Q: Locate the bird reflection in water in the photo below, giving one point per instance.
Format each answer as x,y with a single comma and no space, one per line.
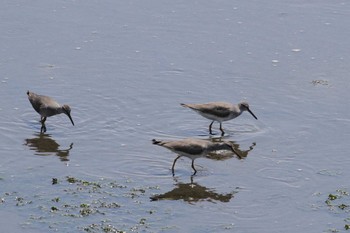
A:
44,145
193,192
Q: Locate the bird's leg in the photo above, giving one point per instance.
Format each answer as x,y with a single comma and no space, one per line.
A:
172,168
211,124
222,131
43,119
195,171
43,127
192,179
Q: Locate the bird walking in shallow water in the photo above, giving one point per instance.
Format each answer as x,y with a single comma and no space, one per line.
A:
220,111
46,107
193,149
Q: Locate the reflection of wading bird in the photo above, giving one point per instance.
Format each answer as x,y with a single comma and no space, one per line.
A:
220,111
193,192
47,107
193,148
44,145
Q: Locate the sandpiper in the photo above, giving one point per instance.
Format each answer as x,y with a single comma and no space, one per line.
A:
220,111
46,107
193,148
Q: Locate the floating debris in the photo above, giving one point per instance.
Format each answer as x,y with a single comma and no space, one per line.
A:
319,82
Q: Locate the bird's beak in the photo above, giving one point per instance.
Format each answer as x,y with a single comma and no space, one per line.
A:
252,113
70,118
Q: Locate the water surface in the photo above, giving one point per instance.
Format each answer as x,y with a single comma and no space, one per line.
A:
124,68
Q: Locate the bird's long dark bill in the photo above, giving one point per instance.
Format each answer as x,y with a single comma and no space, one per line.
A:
234,151
70,118
252,114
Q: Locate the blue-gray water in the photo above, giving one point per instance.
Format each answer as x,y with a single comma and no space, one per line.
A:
124,67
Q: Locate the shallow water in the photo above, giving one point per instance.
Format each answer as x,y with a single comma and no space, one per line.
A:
124,68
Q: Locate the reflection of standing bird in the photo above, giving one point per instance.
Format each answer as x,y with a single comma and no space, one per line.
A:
44,145
193,148
220,111
47,107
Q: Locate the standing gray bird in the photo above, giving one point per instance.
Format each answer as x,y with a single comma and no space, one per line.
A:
46,107
219,111
193,148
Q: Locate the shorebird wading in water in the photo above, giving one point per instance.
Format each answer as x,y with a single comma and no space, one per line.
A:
46,107
193,148
220,111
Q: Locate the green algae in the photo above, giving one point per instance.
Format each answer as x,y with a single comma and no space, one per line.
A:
338,203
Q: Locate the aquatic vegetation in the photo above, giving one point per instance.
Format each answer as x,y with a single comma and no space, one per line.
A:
21,201
54,181
339,202
102,228
82,182
67,201
53,208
